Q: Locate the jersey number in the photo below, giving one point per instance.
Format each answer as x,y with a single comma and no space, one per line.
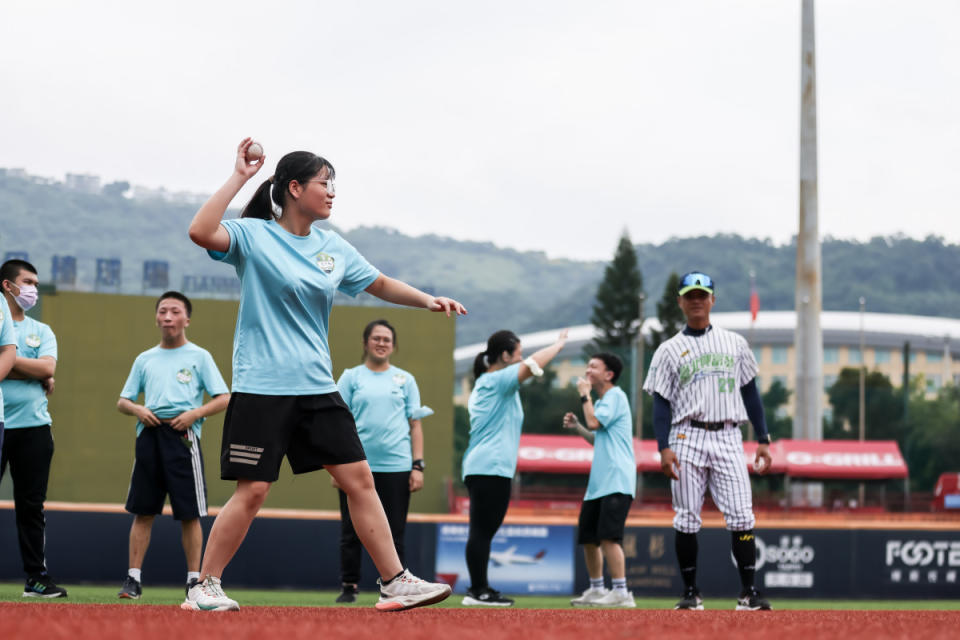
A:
726,385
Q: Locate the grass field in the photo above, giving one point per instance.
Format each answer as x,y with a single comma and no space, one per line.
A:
87,594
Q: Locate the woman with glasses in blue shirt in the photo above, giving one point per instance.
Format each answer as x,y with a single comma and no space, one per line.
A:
385,402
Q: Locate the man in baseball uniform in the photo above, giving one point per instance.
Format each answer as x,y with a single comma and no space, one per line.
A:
703,382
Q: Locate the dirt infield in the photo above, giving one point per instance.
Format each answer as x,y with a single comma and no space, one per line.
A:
52,621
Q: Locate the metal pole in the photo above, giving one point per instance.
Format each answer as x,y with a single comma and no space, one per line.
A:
753,284
639,377
906,421
863,392
638,357
809,299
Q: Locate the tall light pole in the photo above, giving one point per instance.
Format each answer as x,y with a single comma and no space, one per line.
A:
809,336
638,384
863,393
638,377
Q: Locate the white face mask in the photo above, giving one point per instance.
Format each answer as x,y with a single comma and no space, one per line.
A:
28,296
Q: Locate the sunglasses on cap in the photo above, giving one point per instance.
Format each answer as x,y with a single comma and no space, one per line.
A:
696,280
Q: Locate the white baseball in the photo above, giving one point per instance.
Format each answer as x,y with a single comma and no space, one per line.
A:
254,152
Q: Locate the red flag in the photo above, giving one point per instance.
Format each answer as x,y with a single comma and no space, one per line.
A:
754,302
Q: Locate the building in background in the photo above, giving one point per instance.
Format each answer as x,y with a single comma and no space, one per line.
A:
934,348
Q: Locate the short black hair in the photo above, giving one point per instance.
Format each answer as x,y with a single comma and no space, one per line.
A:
176,295
11,269
611,362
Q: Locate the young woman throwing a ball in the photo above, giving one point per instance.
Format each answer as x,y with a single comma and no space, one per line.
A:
285,401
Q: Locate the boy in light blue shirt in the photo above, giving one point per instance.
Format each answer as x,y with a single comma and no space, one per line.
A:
28,445
613,480
172,378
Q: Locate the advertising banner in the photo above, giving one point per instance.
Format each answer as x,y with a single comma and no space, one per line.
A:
790,563
524,559
908,564
846,459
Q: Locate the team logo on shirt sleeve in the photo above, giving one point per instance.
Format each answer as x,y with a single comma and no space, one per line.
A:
184,376
325,261
32,340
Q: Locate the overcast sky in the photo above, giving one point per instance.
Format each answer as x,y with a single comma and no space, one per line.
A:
547,125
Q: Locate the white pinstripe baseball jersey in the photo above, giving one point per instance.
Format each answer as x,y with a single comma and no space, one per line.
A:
701,375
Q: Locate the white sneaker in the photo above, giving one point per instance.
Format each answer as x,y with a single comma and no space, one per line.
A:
589,597
614,598
407,591
208,595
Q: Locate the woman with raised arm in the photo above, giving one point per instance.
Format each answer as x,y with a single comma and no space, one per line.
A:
285,401
490,461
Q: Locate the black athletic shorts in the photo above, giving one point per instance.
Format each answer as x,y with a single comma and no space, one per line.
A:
167,461
311,431
603,518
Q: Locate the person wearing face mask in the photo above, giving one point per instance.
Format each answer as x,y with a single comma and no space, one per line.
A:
28,440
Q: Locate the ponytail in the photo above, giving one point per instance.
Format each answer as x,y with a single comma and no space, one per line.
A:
259,205
480,365
299,166
497,343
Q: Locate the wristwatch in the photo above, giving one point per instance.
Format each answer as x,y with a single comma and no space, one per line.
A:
418,465
584,399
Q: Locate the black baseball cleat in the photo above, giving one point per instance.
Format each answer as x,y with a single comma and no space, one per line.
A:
485,597
190,585
130,589
348,594
42,586
690,601
751,600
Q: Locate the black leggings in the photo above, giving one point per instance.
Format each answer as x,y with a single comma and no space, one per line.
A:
393,488
489,498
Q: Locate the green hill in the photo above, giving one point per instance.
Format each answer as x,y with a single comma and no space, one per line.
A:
502,288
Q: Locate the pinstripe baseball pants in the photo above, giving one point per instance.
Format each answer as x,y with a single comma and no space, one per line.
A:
714,460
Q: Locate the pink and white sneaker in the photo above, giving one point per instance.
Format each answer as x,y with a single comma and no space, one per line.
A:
407,591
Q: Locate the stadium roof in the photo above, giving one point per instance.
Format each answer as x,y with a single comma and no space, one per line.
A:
881,330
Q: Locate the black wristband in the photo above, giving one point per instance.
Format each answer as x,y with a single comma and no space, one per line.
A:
418,465
584,399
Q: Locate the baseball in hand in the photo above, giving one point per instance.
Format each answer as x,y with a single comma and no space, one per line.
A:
254,152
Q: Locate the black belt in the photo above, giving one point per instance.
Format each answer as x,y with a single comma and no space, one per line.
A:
709,426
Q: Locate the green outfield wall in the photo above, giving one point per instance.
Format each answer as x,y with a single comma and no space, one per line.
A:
99,335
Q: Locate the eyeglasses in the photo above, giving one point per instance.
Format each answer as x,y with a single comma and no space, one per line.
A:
328,184
696,279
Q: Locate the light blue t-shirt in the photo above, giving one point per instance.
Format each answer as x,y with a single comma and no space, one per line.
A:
496,417
383,403
173,381
8,335
25,401
614,468
287,284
